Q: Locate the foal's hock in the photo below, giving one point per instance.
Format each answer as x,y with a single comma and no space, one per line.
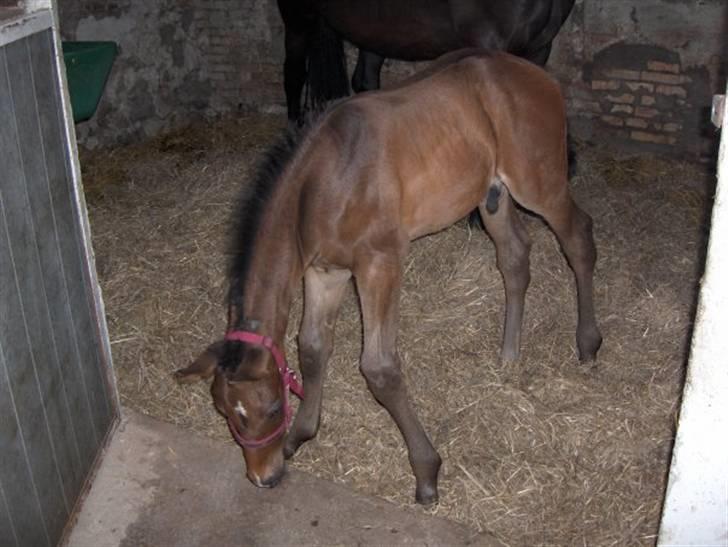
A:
474,130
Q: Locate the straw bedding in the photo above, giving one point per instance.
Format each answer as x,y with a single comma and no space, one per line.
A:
543,452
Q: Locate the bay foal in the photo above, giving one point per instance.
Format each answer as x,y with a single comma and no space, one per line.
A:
378,170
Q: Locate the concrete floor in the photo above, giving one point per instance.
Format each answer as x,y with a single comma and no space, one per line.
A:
159,486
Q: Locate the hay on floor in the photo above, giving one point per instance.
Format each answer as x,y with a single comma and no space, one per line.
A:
542,452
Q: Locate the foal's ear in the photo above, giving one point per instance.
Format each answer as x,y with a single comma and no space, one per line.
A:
203,367
249,368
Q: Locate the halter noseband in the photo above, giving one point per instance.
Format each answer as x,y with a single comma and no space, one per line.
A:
288,379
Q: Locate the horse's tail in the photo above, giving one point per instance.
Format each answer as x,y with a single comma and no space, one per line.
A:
326,75
560,11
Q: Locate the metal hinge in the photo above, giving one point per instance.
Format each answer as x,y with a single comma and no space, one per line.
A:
716,113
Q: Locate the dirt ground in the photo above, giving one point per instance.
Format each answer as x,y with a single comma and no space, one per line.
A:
547,451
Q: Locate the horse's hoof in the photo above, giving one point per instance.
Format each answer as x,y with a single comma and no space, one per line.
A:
288,451
290,447
426,496
588,352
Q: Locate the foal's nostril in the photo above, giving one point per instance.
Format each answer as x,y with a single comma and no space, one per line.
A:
268,482
255,479
272,481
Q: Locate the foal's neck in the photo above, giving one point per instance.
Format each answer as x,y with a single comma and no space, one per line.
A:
276,266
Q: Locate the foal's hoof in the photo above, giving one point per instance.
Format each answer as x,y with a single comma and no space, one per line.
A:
288,451
426,495
588,350
291,446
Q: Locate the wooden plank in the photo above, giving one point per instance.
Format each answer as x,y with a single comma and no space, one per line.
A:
24,25
50,302
21,521
8,536
15,472
696,500
80,296
61,253
716,112
29,357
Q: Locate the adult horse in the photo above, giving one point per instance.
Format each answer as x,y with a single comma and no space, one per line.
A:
378,170
410,30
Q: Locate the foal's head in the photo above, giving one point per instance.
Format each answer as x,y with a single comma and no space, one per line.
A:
251,391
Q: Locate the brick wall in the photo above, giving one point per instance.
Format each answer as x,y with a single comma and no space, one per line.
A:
242,43
644,94
638,75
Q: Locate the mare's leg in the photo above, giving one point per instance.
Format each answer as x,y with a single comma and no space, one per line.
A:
540,56
573,228
512,246
378,282
366,73
322,298
294,71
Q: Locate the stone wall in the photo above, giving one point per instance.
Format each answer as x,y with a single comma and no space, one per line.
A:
159,79
637,74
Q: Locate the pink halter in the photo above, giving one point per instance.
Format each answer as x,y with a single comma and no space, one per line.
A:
288,379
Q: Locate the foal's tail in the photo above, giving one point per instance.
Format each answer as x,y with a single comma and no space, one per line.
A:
326,76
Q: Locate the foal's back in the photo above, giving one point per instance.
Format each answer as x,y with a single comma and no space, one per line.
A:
416,158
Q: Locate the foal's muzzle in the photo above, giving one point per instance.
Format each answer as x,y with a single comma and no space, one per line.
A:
268,482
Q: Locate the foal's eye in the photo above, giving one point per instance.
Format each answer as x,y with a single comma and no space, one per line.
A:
275,410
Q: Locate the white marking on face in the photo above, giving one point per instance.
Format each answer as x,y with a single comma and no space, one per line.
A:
255,479
241,410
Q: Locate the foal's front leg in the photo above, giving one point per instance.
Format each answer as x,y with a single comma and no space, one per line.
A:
378,282
323,291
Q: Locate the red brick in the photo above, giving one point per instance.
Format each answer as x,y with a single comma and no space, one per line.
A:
672,90
644,136
624,98
672,79
621,108
659,66
589,106
672,127
622,74
636,122
613,120
604,85
640,86
644,112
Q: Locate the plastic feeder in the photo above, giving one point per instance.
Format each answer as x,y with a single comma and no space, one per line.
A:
87,67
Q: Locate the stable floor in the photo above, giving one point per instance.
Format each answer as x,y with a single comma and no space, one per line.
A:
159,485
539,452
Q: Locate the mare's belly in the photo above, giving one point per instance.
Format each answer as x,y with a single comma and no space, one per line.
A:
412,31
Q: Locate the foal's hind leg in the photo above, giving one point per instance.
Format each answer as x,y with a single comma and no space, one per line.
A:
322,298
573,228
512,246
378,282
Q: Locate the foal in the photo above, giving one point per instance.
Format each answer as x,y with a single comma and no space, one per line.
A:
377,171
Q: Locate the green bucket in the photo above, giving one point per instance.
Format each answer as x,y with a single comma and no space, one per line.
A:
87,67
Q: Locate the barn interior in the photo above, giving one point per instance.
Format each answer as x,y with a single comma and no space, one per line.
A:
539,452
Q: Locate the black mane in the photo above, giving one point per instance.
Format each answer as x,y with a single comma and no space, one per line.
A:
248,213
246,221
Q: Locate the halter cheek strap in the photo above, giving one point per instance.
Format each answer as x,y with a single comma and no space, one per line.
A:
288,380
